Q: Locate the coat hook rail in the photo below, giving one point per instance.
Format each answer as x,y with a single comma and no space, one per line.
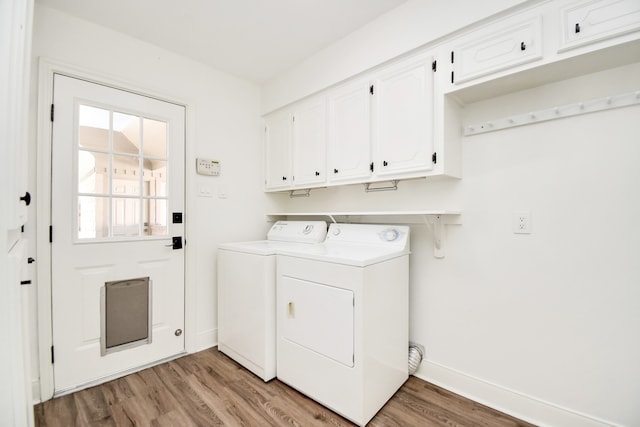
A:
577,108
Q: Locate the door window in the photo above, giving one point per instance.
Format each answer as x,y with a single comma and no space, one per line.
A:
121,167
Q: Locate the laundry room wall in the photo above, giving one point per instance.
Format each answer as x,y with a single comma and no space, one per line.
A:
543,326
223,123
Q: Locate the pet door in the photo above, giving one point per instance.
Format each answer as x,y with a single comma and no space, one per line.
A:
125,314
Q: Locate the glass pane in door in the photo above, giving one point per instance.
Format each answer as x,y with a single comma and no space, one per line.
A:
93,176
94,125
93,217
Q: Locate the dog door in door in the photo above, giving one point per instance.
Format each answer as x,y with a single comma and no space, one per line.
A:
126,314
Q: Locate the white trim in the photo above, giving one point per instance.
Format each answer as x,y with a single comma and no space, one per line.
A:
207,339
46,69
519,405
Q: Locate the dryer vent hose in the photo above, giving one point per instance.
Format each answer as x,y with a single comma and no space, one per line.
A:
416,354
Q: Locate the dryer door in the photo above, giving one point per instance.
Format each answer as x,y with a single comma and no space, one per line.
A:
317,317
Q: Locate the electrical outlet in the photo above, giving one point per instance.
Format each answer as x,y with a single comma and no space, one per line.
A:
522,222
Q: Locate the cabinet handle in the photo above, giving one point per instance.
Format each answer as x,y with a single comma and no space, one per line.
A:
523,46
335,171
284,178
577,27
317,173
26,198
384,163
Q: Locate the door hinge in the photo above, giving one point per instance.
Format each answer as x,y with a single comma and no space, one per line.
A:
371,89
51,112
434,158
434,66
371,166
53,359
51,234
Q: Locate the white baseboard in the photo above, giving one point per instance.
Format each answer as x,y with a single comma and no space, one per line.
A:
516,404
206,339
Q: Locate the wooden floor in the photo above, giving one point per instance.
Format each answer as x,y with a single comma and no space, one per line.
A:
209,389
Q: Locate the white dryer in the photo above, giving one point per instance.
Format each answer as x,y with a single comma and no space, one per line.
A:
343,318
247,293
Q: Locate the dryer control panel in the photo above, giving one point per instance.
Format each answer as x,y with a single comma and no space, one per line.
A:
396,236
298,231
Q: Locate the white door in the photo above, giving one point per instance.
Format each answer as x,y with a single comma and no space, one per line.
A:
117,202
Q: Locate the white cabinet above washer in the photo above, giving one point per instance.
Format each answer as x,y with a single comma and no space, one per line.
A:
295,146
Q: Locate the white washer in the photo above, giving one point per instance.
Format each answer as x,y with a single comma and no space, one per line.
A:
343,318
247,293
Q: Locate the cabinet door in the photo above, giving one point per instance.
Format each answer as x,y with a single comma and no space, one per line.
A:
403,119
587,22
488,51
309,143
277,151
349,147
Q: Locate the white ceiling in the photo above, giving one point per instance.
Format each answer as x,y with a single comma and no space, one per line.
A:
253,39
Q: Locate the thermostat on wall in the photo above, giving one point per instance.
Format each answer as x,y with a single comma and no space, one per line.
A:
207,167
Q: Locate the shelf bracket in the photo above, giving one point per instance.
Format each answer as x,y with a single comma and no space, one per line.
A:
435,223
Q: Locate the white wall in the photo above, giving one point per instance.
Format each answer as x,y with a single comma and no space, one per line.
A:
544,326
223,123
404,28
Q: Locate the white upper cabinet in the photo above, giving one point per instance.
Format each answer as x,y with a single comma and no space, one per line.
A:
278,151
591,21
295,146
403,118
349,144
374,128
495,48
309,143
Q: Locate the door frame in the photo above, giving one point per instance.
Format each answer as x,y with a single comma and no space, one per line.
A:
46,70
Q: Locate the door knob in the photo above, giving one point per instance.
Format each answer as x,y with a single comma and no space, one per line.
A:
176,243
26,198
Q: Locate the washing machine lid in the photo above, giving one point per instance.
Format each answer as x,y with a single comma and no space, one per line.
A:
358,245
282,235
257,247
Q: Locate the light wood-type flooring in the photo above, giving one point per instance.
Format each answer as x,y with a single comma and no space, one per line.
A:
209,389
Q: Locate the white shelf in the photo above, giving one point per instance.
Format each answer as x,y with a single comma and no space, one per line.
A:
434,220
